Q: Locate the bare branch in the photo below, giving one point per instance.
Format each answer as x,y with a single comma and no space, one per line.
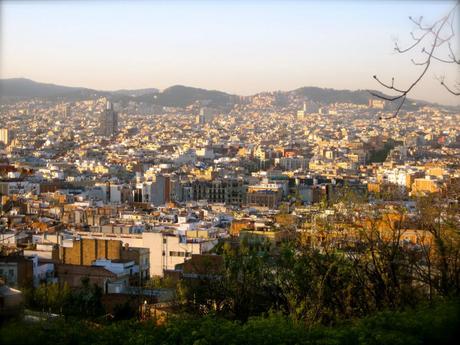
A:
391,87
419,63
436,29
402,51
427,28
396,113
440,59
386,98
449,89
419,23
452,55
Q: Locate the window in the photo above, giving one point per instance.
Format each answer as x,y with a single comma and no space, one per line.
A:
164,240
179,254
11,272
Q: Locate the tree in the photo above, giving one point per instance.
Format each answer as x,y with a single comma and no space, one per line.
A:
50,297
87,301
244,288
438,216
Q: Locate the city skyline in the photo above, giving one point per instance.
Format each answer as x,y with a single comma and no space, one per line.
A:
225,46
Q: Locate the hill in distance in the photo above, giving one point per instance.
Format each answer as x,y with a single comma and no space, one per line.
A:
181,96
174,96
21,88
136,92
178,96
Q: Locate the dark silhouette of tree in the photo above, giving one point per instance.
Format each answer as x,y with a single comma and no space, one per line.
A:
436,42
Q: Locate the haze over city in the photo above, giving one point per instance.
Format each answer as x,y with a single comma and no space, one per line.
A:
234,46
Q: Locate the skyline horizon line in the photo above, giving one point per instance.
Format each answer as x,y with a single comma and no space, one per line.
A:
231,93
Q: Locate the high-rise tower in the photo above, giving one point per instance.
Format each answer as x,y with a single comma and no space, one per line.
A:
108,121
6,136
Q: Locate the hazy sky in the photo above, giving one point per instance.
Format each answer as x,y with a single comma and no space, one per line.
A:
241,47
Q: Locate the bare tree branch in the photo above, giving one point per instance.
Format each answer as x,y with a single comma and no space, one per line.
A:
455,93
419,63
452,55
439,38
386,98
397,110
388,86
399,50
440,59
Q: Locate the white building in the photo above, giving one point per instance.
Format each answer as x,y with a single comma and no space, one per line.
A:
5,136
167,249
155,192
19,187
119,267
292,163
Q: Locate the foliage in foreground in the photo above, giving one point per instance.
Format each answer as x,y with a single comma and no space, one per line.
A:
438,324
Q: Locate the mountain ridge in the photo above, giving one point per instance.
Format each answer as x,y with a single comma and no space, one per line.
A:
176,95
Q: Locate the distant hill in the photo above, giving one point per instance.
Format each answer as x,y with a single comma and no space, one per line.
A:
182,96
26,88
174,96
136,92
178,96
326,96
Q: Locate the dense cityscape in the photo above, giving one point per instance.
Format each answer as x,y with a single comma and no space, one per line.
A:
191,216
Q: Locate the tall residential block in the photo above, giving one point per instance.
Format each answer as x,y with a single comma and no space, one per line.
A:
6,136
108,121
